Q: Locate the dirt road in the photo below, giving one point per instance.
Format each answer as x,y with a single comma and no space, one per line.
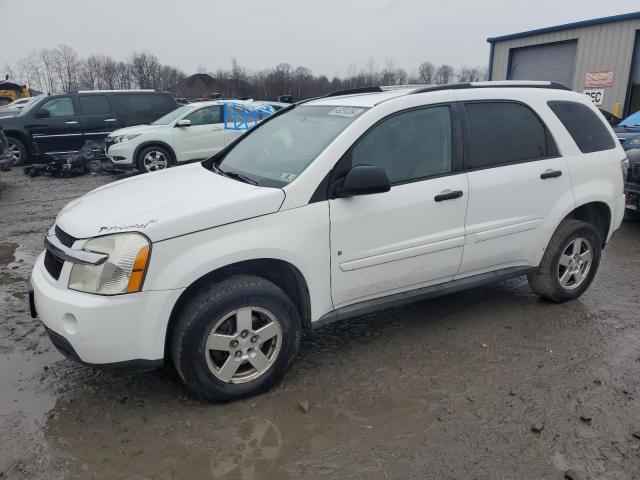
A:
445,389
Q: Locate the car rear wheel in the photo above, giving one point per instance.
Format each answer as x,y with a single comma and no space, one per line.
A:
17,150
235,338
570,262
154,158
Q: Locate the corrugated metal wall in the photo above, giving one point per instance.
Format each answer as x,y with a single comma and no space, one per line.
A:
600,48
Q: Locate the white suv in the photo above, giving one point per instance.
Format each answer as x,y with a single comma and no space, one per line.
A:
331,208
189,133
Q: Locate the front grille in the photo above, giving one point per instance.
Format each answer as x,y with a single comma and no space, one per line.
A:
53,264
66,239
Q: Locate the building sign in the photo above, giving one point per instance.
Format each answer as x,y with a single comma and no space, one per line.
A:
596,94
598,79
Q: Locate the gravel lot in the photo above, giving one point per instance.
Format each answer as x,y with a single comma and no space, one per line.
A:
445,389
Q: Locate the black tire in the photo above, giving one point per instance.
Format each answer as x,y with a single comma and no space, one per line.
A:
205,309
545,281
149,150
631,215
24,153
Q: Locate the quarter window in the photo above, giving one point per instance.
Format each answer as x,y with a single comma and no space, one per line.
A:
95,104
408,146
59,107
584,126
205,116
501,133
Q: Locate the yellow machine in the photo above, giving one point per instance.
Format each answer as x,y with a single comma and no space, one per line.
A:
10,91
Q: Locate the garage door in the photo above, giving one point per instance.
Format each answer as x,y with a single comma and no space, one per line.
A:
554,62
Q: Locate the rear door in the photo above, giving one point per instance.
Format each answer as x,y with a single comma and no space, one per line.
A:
204,137
99,118
517,180
412,235
60,129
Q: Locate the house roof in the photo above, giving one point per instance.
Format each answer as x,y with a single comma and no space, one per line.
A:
567,26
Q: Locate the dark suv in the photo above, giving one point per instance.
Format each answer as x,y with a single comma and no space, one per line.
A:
62,123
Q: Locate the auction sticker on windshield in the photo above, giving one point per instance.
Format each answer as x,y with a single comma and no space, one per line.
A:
287,177
346,111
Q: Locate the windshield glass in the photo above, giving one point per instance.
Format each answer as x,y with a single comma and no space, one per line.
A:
173,115
631,120
29,105
277,152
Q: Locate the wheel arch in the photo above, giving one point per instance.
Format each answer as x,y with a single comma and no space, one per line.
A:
280,272
596,213
154,143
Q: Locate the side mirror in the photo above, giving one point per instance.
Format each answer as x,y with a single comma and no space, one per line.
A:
42,113
183,123
362,180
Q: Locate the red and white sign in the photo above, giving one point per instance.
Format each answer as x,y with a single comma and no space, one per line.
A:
598,79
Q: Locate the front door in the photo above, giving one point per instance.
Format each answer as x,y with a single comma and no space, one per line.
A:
201,139
412,235
59,129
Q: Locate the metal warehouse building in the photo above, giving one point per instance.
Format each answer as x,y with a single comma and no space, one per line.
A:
599,57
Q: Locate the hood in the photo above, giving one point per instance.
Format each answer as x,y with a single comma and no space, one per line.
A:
8,112
139,129
166,204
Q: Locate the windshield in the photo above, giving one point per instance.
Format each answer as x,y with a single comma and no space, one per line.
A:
277,152
173,115
29,105
631,121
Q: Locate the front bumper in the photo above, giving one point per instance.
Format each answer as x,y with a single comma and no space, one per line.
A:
108,332
120,154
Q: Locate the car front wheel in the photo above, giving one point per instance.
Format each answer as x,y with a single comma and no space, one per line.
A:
235,338
154,158
18,151
570,262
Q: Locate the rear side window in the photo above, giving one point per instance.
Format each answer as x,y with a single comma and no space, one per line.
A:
584,126
95,104
501,133
145,102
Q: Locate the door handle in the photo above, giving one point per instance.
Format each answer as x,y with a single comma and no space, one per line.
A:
550,174
448,195
110,120
70,122
216,128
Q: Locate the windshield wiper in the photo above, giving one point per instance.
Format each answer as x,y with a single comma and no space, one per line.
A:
234,175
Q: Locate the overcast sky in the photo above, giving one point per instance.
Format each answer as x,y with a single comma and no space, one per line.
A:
328,36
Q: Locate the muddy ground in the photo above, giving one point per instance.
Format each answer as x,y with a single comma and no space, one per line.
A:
445,389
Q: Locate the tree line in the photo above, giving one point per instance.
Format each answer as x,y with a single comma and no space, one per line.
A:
60,69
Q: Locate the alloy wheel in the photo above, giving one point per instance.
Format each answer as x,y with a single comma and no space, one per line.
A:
15,152
243,345
155,160
575,263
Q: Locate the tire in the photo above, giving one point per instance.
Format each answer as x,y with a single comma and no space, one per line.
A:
554,279
145,160
19,150
217,310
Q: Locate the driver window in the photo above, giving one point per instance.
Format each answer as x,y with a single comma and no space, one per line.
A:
409,146
205,116
59,107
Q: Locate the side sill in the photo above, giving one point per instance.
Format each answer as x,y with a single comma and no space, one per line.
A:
420,294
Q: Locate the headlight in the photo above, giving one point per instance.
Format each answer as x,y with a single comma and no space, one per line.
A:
635,141
124,138
122,271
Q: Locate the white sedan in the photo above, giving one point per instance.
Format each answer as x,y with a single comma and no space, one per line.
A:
192,132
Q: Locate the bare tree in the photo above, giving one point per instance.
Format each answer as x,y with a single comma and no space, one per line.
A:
444,74
144,69
426,73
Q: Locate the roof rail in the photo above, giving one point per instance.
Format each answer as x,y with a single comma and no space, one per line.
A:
354,91
111,91
494,84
